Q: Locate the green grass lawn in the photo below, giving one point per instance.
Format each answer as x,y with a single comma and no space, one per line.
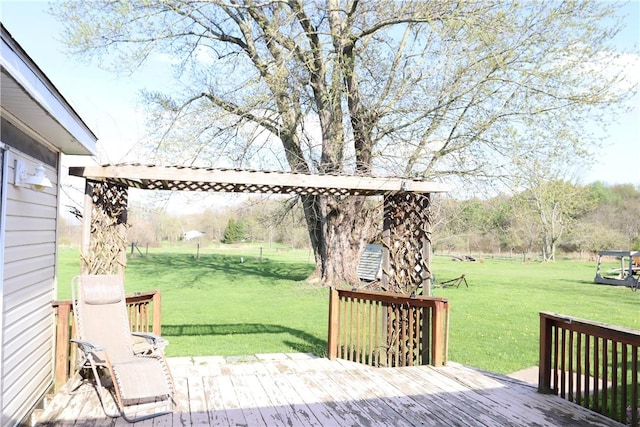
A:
494,322
228,302
239,300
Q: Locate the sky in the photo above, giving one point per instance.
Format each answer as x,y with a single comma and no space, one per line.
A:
110,106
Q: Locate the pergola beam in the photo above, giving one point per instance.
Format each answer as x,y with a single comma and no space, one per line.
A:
182,178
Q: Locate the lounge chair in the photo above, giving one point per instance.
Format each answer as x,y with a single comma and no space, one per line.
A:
142,382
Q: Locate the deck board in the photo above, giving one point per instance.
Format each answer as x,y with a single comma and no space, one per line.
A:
472,402
316,410
213,395
303,390
430,399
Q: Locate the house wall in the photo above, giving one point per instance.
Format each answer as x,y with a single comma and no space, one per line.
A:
37,125
28,281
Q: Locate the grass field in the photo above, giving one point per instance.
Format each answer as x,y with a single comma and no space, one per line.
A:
495,322
241,300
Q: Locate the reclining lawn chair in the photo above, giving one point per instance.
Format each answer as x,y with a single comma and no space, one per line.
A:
141,379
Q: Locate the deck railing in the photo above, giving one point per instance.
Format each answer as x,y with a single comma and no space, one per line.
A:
384,329
143,308
592,364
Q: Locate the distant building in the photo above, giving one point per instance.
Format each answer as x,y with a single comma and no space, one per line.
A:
193,234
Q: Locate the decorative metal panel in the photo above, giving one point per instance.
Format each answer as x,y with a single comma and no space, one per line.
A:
407,243
108,242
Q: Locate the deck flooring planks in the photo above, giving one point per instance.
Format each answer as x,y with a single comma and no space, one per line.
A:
309,409
351,406
272,357
428,399
304,390
326,411
163,421
462,398
348,402
257,399
93,414
403,405
207,366
313,388
181,414
268,368
266,400
546,409
198,406
287,402
246,402
230,401
361,391
213,395
79,403
494,396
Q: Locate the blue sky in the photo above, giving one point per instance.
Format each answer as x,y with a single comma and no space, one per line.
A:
110,106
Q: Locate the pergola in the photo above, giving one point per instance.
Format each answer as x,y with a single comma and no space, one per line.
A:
406,218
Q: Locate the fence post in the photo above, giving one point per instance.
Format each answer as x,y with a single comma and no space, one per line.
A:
334,326
544,368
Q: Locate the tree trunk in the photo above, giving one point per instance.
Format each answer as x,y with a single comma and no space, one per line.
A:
316,228
339,230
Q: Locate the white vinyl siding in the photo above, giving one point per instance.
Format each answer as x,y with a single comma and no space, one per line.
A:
27,292
36,122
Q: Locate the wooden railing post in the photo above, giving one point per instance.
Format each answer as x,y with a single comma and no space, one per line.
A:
544,362
334,326
635,406
438,334
425,338
157,302
62,347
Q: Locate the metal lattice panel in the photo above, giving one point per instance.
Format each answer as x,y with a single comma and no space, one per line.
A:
404,344
407,241
243,188
108,228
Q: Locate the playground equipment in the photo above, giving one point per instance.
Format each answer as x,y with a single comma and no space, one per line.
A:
626,274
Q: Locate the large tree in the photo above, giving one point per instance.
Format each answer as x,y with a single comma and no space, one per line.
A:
426,89
555,206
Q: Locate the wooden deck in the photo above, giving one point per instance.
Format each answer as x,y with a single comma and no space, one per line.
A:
303,390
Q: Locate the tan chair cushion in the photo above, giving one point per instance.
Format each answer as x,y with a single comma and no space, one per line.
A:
142,379
98,293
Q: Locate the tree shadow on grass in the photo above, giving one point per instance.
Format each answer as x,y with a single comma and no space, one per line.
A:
232,266
310,344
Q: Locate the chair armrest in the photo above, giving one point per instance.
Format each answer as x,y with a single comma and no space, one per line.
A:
151,338
145,343
88,346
